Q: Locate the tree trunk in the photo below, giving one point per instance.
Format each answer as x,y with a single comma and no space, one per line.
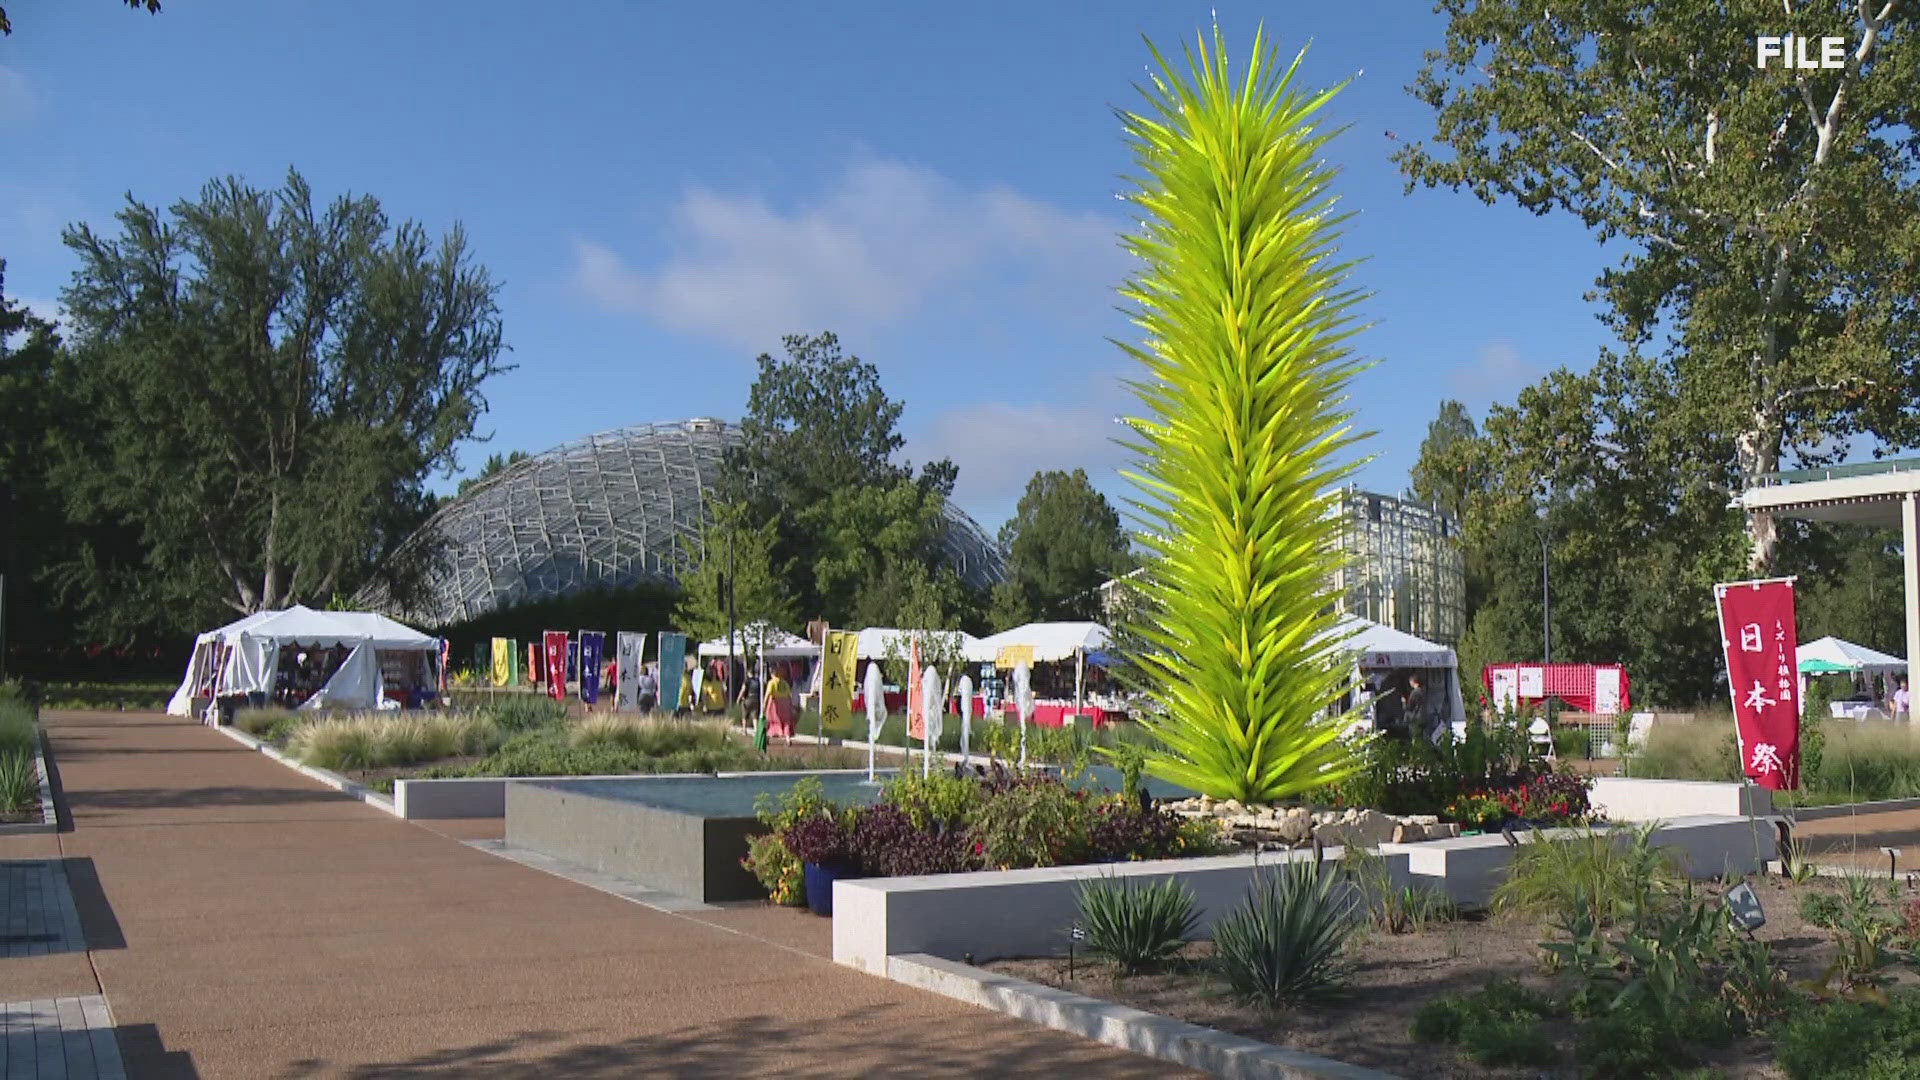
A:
1757,451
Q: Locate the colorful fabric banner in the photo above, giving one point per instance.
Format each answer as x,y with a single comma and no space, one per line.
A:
839,658
534,678
556,646
916,709
591,642
629,648
673,668
1758,635
573,660
502,661
513,662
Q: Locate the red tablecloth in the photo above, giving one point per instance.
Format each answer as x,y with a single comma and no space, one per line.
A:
1055,713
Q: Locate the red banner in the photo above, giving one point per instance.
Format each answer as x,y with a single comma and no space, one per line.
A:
916,709
556,646
1758,636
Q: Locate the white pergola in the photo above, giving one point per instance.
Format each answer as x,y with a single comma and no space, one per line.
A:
1884,494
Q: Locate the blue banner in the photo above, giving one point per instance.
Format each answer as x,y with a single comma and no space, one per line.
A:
591,642
573,660
673,666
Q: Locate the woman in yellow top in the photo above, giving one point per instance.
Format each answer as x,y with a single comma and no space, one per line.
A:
713,695
779,707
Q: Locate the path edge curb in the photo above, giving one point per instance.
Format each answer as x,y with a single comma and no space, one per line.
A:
332,779
1233,1056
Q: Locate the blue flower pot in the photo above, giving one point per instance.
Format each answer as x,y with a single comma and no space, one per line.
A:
819,878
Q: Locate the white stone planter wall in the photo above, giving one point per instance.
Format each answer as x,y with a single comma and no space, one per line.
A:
1022,912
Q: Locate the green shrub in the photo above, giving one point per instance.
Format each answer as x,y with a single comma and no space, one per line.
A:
768,860
381,740
523,712
937,797
1853,1040
1402,910
19,782
260,722
777,870
1640,1040
1598,874
19,734
1821,907
1033,821
1700,750
649,736
1449,1019
1135,925
1285,943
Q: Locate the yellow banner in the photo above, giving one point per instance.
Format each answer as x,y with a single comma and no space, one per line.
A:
1012,656
836,680
502,660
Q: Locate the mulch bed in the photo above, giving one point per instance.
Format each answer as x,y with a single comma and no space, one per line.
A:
1394,975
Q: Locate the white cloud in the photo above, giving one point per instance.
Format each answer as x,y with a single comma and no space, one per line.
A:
999,445
17,100
871,250
1497,373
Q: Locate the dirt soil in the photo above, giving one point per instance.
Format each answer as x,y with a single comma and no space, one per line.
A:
1394,975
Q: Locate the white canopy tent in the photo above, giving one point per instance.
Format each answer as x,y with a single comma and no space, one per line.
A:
1382,648
750,640
1050,641
877,642
1850,657
242,658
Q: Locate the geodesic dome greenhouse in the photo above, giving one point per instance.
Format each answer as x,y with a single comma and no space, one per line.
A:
606,511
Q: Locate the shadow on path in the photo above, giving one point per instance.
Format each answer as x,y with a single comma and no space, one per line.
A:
765,1046
198,798
97,922
146,1056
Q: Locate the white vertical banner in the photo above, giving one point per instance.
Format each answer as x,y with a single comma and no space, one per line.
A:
1606,691
1506,690
629,651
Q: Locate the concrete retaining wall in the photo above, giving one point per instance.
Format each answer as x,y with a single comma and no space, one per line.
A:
1469,868
1623,798
1021,912
1028,912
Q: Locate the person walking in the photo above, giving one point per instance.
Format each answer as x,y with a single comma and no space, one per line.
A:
647,689
1900,700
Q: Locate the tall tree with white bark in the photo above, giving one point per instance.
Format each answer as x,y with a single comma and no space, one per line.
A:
1769,252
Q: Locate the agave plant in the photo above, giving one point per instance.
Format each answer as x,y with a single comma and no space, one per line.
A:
1136,925
1245,315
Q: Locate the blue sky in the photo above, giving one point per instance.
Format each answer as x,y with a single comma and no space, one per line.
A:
665,189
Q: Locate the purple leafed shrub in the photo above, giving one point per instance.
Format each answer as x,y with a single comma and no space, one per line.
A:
886,844
821,839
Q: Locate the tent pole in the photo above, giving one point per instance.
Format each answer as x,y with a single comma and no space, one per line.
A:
1910,561
1079,681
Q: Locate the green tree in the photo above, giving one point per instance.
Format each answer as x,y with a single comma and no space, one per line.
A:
760,593
152,6
267,384
1443,476
1768,253
492,467
1580,471
816,459
1063,542
1241,299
